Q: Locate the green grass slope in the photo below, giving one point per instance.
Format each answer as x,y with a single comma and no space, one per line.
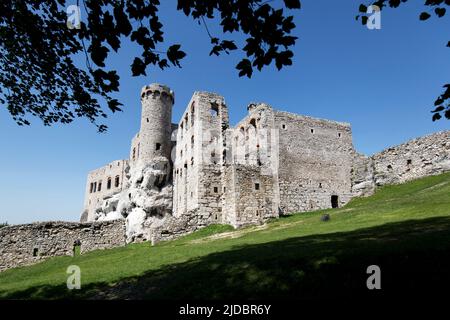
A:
404,229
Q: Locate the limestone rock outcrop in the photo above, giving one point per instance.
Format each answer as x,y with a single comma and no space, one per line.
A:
146,201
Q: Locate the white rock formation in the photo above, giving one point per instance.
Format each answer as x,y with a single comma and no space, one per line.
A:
145,203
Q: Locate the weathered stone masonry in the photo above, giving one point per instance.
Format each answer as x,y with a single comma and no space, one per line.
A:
271,163
417,158
182,177
27,244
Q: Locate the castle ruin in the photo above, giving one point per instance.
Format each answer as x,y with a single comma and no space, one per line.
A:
201,171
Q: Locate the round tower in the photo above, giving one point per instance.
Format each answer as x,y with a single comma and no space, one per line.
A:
156,122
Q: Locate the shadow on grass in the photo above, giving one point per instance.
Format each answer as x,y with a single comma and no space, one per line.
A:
414,257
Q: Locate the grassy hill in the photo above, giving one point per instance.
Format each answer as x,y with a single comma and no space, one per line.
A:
404,229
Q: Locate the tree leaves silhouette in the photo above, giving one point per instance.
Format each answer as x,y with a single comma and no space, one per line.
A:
38,75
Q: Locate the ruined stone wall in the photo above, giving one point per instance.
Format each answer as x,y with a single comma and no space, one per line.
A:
103,183
414,159
254,196
255,140
315,162
183,177
199,158
417,158
362,175
229,196
213,123
252,179
175,227
185,170
27,244
135,149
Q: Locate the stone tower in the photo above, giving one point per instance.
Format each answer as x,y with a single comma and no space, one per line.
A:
156,122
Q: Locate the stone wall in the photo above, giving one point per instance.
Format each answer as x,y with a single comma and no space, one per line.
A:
199,164
175,227
417,158
255,196
22,245
103,183
315,161
183,177
362,175
135,150
414,159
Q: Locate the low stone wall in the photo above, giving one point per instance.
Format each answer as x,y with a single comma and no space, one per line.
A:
421,157
362,175
175,227
417,158
22,245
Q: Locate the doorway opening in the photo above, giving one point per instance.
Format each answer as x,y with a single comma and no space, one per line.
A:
334,201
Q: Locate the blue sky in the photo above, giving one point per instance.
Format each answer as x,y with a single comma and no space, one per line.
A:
383,82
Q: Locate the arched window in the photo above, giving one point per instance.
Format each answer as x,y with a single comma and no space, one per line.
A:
99,186
117,181
108,184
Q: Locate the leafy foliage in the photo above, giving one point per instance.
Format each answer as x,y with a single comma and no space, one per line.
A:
439,9
38,76
3,224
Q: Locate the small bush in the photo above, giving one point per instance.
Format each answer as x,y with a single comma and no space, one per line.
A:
4,224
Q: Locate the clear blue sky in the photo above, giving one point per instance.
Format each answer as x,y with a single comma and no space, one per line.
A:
383,82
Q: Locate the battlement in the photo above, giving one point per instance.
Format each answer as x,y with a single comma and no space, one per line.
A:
155,90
